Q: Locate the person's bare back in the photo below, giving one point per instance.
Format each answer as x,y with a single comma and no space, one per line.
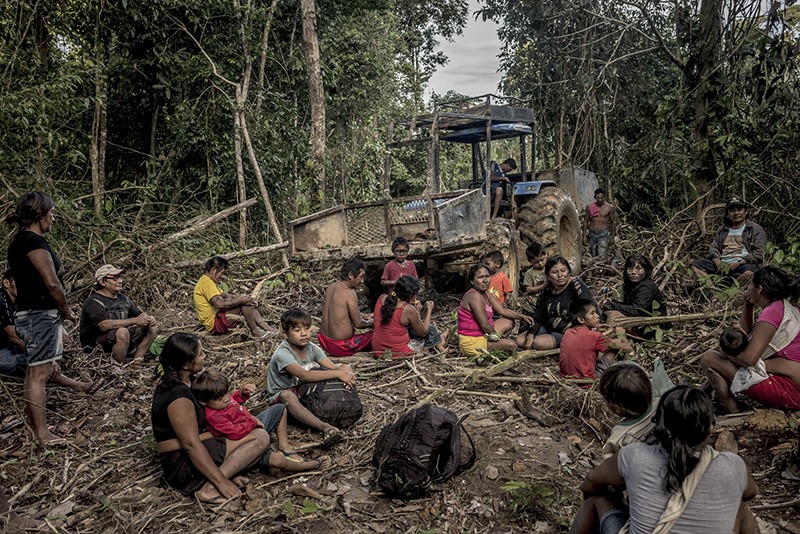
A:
337,311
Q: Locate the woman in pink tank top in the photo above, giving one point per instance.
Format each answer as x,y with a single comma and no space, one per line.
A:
399,328
477,330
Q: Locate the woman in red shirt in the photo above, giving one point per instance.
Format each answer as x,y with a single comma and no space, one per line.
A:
398,319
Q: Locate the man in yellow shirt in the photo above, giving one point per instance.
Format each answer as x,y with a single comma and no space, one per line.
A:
212,304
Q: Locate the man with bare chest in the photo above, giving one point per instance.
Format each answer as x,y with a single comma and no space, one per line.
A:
341,316
599,225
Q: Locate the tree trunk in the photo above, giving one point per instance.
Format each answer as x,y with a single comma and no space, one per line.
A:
262,64
316,94
97,147
241,190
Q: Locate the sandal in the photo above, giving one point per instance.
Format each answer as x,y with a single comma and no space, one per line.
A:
332,436
292,456
323,462
95,386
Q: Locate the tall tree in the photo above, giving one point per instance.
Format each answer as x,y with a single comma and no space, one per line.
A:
316,93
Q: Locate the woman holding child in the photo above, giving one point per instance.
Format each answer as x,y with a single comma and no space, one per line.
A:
477,328
193,460
640,295
400,329
552,309
675,482
767,367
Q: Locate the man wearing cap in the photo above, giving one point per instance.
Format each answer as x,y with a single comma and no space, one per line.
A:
111,321
738,246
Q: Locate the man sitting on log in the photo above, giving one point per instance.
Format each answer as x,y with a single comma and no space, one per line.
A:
110,320
341,316
212,304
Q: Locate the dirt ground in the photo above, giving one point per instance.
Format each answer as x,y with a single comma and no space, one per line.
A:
536,437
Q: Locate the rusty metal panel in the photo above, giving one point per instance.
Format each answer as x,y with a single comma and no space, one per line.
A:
328,231
461,220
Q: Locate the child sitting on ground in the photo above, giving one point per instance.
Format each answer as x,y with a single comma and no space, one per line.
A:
628,394
499,284
399,266
533,284
296,360
225,416
583,349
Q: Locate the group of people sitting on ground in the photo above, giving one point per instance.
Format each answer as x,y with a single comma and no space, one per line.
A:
206,436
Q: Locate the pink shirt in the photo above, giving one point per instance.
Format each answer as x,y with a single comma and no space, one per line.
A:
467,325
579,350
234,422
393,271
773,315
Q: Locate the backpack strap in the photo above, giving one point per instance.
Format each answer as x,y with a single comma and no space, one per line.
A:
473,455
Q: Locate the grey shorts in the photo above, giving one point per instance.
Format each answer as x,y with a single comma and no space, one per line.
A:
43,334
271,417
613,521
12,361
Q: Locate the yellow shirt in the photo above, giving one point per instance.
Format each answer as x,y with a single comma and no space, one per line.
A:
204,290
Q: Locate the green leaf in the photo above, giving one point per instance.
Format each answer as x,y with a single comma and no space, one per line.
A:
309,507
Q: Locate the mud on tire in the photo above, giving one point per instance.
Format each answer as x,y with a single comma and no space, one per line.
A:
552,220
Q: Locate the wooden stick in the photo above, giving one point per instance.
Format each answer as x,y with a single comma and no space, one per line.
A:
626,322
231,255
785,504
513,396
511,362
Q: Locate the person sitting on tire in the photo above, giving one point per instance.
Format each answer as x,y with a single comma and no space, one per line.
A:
738,246
477,329
552,309
640,295
497,180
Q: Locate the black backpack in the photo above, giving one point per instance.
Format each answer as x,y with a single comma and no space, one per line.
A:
331,401
421,448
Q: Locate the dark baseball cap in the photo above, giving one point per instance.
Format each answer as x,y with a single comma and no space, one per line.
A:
735,202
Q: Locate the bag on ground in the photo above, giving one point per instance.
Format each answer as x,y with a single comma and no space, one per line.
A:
421,448
331,401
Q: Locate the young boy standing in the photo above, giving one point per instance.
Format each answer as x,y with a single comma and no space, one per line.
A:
295,361
582,347
499,284
399,266
225,416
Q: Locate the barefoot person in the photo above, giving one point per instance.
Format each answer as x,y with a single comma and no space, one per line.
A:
768,368
193,460
12,348
640,294
341,316
212,304
41,303
477,328
599,224
111,321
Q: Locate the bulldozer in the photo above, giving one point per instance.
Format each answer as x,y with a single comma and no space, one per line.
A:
451,230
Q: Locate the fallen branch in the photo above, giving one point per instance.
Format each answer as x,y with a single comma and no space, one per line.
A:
513,396
627,322
231,255
776,505
510,363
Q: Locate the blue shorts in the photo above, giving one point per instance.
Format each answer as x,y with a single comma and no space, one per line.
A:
613,521
12,361
43,334
271,417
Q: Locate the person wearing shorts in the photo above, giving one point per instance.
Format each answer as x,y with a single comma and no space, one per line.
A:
111,321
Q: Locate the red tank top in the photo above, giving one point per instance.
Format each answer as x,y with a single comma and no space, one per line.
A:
391,336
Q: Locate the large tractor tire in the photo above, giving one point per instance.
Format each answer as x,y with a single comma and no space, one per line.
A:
551,219
502,235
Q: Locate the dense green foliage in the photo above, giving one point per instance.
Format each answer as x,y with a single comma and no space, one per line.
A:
664,100
160,71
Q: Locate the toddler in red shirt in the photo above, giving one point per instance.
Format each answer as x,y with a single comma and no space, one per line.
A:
499,284
225,416
584,351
